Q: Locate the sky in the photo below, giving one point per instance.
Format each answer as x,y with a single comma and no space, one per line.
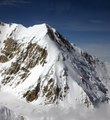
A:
85,23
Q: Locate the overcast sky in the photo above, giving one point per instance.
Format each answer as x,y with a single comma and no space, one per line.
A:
83,22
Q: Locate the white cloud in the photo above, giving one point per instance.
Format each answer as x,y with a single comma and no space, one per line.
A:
96,21
13,2
80,113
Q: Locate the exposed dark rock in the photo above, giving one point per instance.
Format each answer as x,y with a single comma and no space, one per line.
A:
33,55
10,45
89,58
30,95
3,59
11,48
15,67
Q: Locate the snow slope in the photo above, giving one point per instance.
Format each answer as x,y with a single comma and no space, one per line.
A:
37,65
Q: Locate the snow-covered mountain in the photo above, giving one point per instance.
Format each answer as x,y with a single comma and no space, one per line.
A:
41,67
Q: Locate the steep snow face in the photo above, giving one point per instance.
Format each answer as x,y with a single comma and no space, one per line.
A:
6,114
38,65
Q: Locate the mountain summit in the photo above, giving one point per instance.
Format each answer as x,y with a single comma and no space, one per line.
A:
39,66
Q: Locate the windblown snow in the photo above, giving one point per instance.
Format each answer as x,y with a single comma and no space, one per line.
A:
41,68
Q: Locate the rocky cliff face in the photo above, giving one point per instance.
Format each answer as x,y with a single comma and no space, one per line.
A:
41,67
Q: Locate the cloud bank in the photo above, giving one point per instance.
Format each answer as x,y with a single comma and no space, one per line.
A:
39,112
80,113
